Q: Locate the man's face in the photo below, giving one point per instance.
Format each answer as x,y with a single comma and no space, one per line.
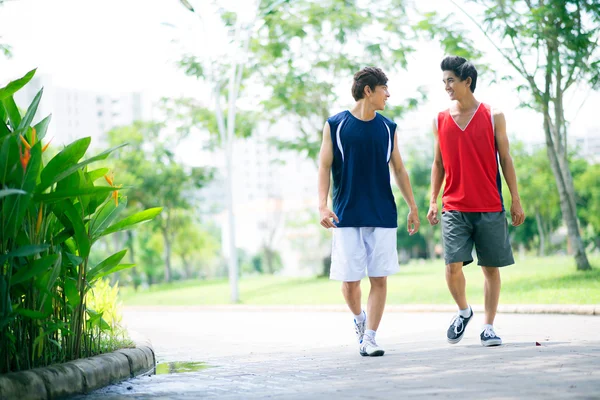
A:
379,97
455,88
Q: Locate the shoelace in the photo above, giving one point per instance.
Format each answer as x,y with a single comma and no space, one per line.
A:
488,332
369,340
458,322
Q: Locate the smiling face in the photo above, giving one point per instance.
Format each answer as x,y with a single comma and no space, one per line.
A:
456,88
378,97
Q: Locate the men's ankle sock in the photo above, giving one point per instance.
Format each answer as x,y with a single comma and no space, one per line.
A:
360,317
466,313
370,333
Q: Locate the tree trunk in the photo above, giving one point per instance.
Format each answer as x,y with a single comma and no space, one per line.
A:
542,233
114,278
134,272
430,239
326,266
167,255
187,267
566,192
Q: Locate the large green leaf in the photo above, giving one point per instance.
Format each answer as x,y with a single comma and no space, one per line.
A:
26,121
24,251
37,267
105,216
4,297
71,192
15,85
9,156
14,117
72,292
63,161
102,156
2,113
3,128
96,174
76,220
33,314
46,281
9,192
15,207
42,127
107,264
136,218
112,270
66,172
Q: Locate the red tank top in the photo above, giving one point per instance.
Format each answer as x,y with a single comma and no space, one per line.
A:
471,163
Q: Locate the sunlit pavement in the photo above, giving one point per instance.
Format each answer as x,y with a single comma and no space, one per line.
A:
313,355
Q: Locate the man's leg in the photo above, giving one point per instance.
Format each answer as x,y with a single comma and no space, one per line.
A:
352,294
491,290
376,303
457,284
455,278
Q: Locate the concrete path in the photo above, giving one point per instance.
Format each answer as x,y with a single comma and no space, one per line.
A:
312,355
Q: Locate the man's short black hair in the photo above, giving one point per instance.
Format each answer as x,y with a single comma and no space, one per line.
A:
461,68
371,76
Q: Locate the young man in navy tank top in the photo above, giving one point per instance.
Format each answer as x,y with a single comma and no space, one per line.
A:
358,148
470,138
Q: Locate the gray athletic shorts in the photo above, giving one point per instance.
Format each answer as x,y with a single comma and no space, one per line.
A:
488,231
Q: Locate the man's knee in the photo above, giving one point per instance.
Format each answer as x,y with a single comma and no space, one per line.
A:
491,272
454,268
350,287
378,282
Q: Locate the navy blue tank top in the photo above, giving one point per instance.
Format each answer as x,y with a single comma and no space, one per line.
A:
362,193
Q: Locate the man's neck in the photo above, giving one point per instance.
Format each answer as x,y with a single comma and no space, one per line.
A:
363,111
468,103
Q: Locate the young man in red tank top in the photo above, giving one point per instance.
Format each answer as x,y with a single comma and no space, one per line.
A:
470,139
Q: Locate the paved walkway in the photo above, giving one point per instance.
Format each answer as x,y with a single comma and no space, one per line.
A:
312,355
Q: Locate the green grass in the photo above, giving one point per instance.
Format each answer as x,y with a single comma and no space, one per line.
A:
551,280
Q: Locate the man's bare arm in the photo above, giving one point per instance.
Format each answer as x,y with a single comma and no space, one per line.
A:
508,168
325,162
437,178
403,182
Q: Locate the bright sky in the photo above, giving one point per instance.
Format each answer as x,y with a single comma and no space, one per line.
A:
114,46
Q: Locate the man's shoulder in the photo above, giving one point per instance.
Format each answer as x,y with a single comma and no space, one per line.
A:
388,121
337,118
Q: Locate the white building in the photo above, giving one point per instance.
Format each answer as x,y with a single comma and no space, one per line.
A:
590,144
78,113
275,202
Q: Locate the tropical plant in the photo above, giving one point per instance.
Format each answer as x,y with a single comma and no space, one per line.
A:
51,215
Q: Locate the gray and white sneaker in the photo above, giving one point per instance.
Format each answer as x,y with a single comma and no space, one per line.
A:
369,348
489,338
360,327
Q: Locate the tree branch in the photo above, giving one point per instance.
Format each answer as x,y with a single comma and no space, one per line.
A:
523,72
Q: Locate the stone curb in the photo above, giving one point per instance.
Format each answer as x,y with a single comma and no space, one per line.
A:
79,376
589,309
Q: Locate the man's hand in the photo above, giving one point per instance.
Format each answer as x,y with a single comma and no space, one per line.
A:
432,214
413,222
516,213
326,218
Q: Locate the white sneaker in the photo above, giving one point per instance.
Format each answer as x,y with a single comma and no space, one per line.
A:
489,338
359,328
368,347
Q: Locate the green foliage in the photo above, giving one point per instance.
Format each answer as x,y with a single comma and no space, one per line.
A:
587,185
553,46
303,48
104,322
533,280
157,177
51,215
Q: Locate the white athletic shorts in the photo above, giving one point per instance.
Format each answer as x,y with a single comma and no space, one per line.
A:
358,251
